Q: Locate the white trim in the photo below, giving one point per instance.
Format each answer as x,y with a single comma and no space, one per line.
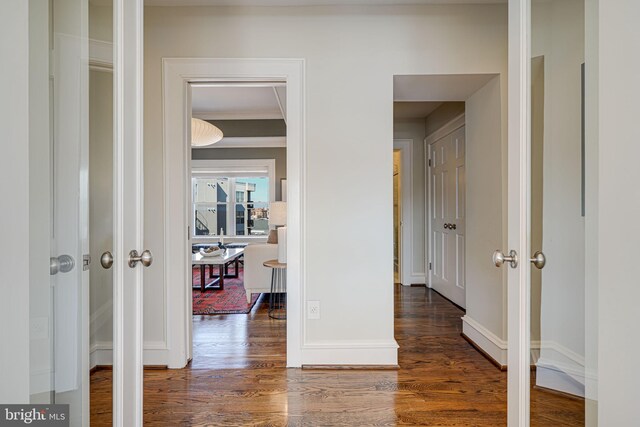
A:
231,167
100,55
239,115
518,217
446,129
489,342
178,73
427,214
128,212
344,354
282,100
561,369
248,142
408,275
155,354
235,166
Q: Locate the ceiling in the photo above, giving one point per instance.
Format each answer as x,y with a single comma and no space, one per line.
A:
235,102
307,2
242,106
413,110
449,87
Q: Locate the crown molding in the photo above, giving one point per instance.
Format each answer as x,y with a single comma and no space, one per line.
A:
248,142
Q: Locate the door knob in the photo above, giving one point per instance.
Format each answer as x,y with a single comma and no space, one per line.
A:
447,226
539,260
452,226
499,258
63,264
146,258
106,260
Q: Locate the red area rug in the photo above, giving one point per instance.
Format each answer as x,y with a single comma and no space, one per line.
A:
231,300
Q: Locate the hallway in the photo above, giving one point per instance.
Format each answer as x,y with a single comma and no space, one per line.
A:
441,381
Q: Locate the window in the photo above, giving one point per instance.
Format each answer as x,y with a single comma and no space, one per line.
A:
230,201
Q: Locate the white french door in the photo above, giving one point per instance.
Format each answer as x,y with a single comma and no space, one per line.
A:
130,256
46,109
549,208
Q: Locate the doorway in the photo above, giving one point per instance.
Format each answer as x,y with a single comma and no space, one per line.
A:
397,212
179,75
238,224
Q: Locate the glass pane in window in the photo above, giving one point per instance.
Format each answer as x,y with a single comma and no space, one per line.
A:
255,191
221,220
205,221
210,190
241,220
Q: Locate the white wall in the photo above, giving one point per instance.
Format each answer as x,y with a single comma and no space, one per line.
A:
40,289
485,218
443,115
351,56
14,168
618,210
414,130
537,181
558,35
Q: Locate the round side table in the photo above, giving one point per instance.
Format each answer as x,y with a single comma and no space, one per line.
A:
278,295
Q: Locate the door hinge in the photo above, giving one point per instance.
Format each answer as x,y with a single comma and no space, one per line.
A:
188,232
86,260
429,162
429,266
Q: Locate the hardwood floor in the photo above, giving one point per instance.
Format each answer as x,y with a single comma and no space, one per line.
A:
442,380
236,341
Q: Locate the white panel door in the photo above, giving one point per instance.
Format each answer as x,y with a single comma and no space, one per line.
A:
447,216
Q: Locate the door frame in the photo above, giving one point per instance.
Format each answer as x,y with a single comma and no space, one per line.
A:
178,73
406,270
519,216
128,212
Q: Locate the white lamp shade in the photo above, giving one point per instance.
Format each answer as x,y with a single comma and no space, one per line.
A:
204,133
282,245
278,213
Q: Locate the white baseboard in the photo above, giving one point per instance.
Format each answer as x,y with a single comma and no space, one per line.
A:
559,368
155,354
41,381
492,345
354,354
414,279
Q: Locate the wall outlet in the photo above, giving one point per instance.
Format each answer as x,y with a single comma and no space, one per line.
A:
313,309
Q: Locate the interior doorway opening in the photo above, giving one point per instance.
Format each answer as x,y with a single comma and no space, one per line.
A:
397,223
449,130
238,224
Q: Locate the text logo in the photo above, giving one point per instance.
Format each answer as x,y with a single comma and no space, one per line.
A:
34,415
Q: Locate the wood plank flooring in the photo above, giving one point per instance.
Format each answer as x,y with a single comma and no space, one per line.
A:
238,378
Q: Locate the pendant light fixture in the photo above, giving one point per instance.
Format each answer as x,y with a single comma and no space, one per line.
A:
204,133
